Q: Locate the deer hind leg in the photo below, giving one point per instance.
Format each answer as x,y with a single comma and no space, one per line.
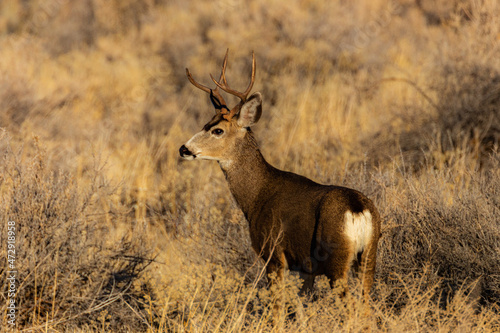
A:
366,270
337,269
308,286
364,267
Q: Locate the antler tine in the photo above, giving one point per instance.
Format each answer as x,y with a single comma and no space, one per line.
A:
215,95
252,79
222,77
196,84
224,86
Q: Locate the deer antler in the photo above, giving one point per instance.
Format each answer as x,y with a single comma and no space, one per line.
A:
215,96
242,95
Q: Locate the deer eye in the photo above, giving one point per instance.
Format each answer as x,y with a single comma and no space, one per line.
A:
217,131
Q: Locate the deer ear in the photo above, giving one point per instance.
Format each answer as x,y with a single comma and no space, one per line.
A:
250,111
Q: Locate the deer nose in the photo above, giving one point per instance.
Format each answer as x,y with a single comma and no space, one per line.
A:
184,151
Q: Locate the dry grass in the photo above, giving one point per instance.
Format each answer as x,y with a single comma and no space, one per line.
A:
399,100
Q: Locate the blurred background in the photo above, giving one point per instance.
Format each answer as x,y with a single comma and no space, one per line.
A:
399,99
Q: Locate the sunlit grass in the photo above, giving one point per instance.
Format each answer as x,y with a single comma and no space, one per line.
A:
370,95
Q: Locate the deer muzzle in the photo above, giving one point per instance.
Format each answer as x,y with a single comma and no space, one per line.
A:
186,153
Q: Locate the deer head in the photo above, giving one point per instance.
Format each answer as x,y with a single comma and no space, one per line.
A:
223,134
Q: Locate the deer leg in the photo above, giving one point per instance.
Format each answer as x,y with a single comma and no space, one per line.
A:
276,265
308,286
368,262
337,270
364,268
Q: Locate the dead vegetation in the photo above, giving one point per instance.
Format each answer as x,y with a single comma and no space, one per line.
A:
400,100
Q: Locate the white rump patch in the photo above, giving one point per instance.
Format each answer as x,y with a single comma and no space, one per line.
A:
359,229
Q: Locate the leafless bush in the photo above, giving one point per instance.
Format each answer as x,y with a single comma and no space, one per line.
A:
15,102
69,273
368,94
452,231
468,107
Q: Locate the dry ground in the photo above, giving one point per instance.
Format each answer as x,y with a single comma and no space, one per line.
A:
400,100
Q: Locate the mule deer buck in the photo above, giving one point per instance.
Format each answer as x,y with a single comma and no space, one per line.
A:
294,222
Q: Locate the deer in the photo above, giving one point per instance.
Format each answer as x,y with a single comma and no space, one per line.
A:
294,222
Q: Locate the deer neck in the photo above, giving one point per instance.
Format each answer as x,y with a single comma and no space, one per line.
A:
248,174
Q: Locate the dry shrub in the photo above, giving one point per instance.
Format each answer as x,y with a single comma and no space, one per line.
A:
68,25
447,223
68,270
467,85
15,102
443,97
355,93
468,108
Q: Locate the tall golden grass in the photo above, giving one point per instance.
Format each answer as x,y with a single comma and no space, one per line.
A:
399,100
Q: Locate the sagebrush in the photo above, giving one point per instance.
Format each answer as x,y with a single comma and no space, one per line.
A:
396,99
